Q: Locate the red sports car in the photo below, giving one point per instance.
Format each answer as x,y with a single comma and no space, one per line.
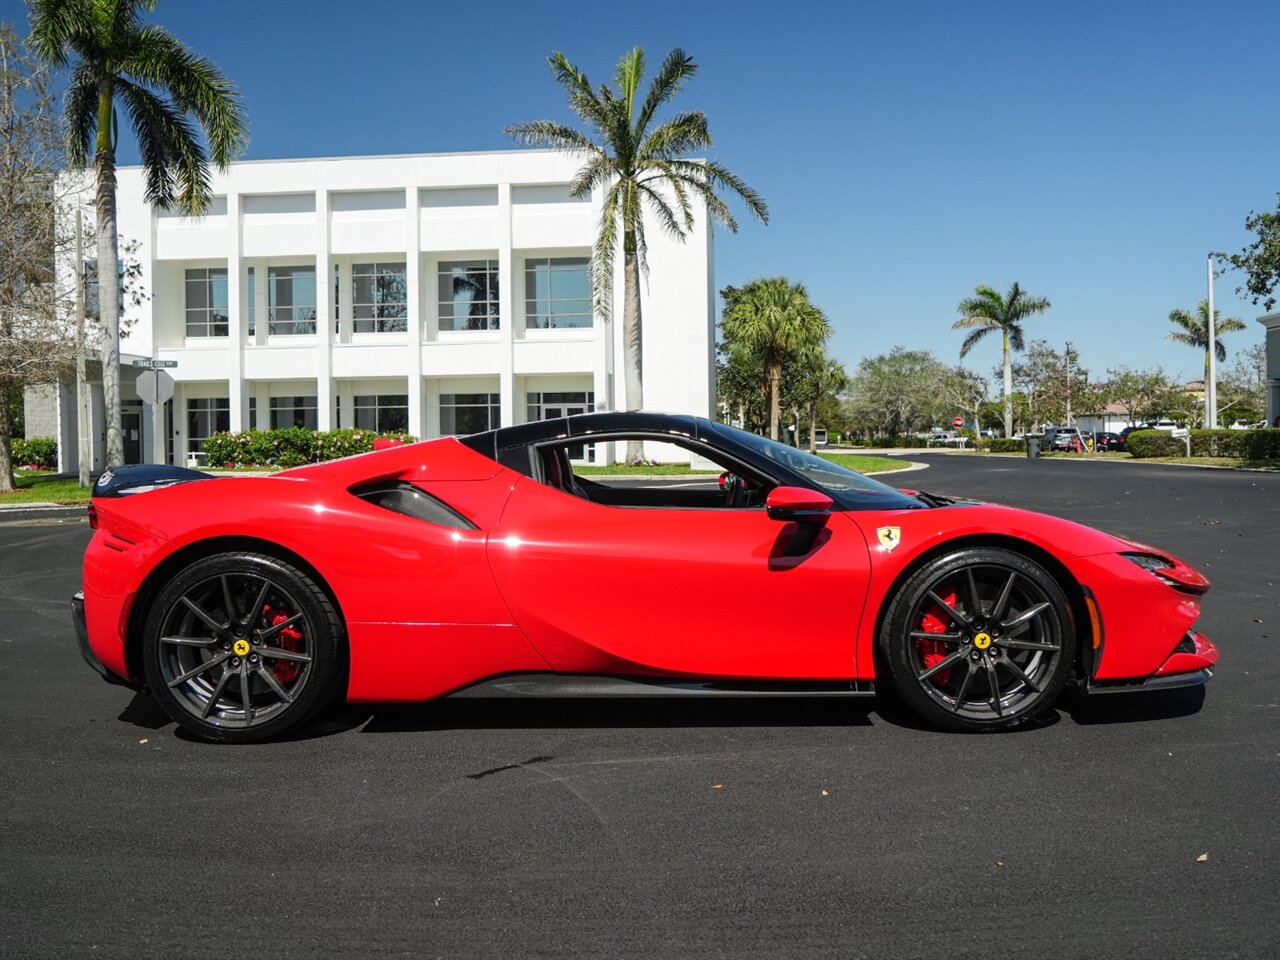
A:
486,566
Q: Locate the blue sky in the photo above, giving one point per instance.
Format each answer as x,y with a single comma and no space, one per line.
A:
1092,152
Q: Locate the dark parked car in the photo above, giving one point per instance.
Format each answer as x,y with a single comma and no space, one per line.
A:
1110,441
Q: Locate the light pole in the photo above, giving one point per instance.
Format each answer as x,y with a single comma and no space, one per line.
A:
1211,388
1068,423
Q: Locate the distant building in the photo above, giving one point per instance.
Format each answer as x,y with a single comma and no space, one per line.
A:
431,294
1272,322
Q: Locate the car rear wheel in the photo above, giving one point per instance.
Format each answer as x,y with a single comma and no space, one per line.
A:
241,647
979,639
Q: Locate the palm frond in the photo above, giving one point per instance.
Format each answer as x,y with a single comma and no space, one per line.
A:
196,86
675,138
974,338
1014,332
172,155
56,26
582,100
666,216
602,265
677,67
1186,339
549,133
627,76
597,171
80,113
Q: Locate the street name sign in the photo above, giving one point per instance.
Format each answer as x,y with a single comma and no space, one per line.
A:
155,364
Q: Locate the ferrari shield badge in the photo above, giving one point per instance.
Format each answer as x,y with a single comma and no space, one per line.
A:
889,537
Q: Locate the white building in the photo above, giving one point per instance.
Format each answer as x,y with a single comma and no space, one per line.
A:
433,294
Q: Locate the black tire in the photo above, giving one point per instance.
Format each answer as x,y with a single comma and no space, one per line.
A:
981,639
278,648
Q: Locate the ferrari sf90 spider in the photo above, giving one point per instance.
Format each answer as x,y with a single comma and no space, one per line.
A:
491,566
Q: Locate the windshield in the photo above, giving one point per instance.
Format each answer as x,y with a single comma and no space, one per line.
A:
851,490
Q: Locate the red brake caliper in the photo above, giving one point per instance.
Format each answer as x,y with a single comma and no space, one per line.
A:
287,639
933,652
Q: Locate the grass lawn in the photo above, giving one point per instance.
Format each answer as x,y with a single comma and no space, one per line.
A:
35,486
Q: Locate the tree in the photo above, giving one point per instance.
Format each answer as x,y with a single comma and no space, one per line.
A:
163,87
1261,259
773,318
1145,394
899,392
986,311
36,346
1194,332
643,167
1042,379
1243,386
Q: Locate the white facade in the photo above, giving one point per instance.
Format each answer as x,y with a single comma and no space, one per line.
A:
431,293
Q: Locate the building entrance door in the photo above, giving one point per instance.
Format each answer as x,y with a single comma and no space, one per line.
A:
131,427
580,453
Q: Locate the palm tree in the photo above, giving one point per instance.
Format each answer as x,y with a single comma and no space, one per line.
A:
644,167
774,318
163,86
1194,332
986,311
831,380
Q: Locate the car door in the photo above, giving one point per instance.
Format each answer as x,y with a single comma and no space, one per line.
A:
657,590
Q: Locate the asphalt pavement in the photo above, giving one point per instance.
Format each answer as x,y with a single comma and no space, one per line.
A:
1123,827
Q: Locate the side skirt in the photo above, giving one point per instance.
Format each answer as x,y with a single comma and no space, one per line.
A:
1170,682
575,686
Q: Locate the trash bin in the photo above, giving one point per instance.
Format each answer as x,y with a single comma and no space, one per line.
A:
1033,447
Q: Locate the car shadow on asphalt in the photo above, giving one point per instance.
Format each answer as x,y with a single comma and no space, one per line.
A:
658,713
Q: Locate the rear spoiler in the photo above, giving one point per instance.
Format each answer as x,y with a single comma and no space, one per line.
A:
143,477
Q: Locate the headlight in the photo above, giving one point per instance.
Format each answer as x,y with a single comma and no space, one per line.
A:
1149,562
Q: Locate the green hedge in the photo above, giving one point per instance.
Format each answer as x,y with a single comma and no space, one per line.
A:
1155,443
290,447
1006,445
1245,444
38,453
1242,444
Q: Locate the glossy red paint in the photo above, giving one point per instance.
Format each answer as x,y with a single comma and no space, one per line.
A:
549,581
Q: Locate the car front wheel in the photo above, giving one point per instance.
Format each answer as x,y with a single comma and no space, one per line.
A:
979,639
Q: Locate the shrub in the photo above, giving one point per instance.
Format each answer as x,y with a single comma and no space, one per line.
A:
1245,444
1155,443
1006,445
35,453
289,447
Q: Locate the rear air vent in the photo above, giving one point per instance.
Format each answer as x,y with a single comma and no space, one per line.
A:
406,499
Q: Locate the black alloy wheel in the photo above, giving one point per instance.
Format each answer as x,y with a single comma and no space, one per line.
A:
980,639
241,647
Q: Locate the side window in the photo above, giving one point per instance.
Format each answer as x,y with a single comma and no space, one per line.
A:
708,484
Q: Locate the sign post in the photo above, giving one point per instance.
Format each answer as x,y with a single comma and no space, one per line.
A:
155,387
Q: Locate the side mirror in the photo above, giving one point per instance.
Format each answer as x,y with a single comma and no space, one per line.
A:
799,505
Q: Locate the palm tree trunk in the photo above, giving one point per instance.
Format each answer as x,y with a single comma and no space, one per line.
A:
1008,389
631,338
813,427
774,374
109,277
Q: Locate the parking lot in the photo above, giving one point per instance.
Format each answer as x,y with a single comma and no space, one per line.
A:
1122,827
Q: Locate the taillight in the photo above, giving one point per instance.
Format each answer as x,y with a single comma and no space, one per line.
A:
93,516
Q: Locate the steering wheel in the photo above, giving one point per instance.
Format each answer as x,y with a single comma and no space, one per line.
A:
734,489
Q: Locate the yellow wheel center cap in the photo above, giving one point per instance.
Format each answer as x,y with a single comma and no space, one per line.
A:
982,641
241,647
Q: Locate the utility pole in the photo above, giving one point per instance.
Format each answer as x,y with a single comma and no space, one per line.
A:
1068,423
83,453
1211,388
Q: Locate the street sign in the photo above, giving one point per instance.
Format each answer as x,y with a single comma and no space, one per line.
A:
958,421
154,386
155,364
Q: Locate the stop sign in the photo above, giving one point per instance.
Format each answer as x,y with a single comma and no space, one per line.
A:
154,386
958,421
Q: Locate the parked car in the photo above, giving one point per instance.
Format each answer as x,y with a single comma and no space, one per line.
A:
1149,425
1062,438
1111,442
484,565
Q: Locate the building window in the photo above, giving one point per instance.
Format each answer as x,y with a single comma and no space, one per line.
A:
385,413
557,293
468,295
293,412
379,298
251,321
205,417
253,413
207,302
465,413
551,406
291,300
